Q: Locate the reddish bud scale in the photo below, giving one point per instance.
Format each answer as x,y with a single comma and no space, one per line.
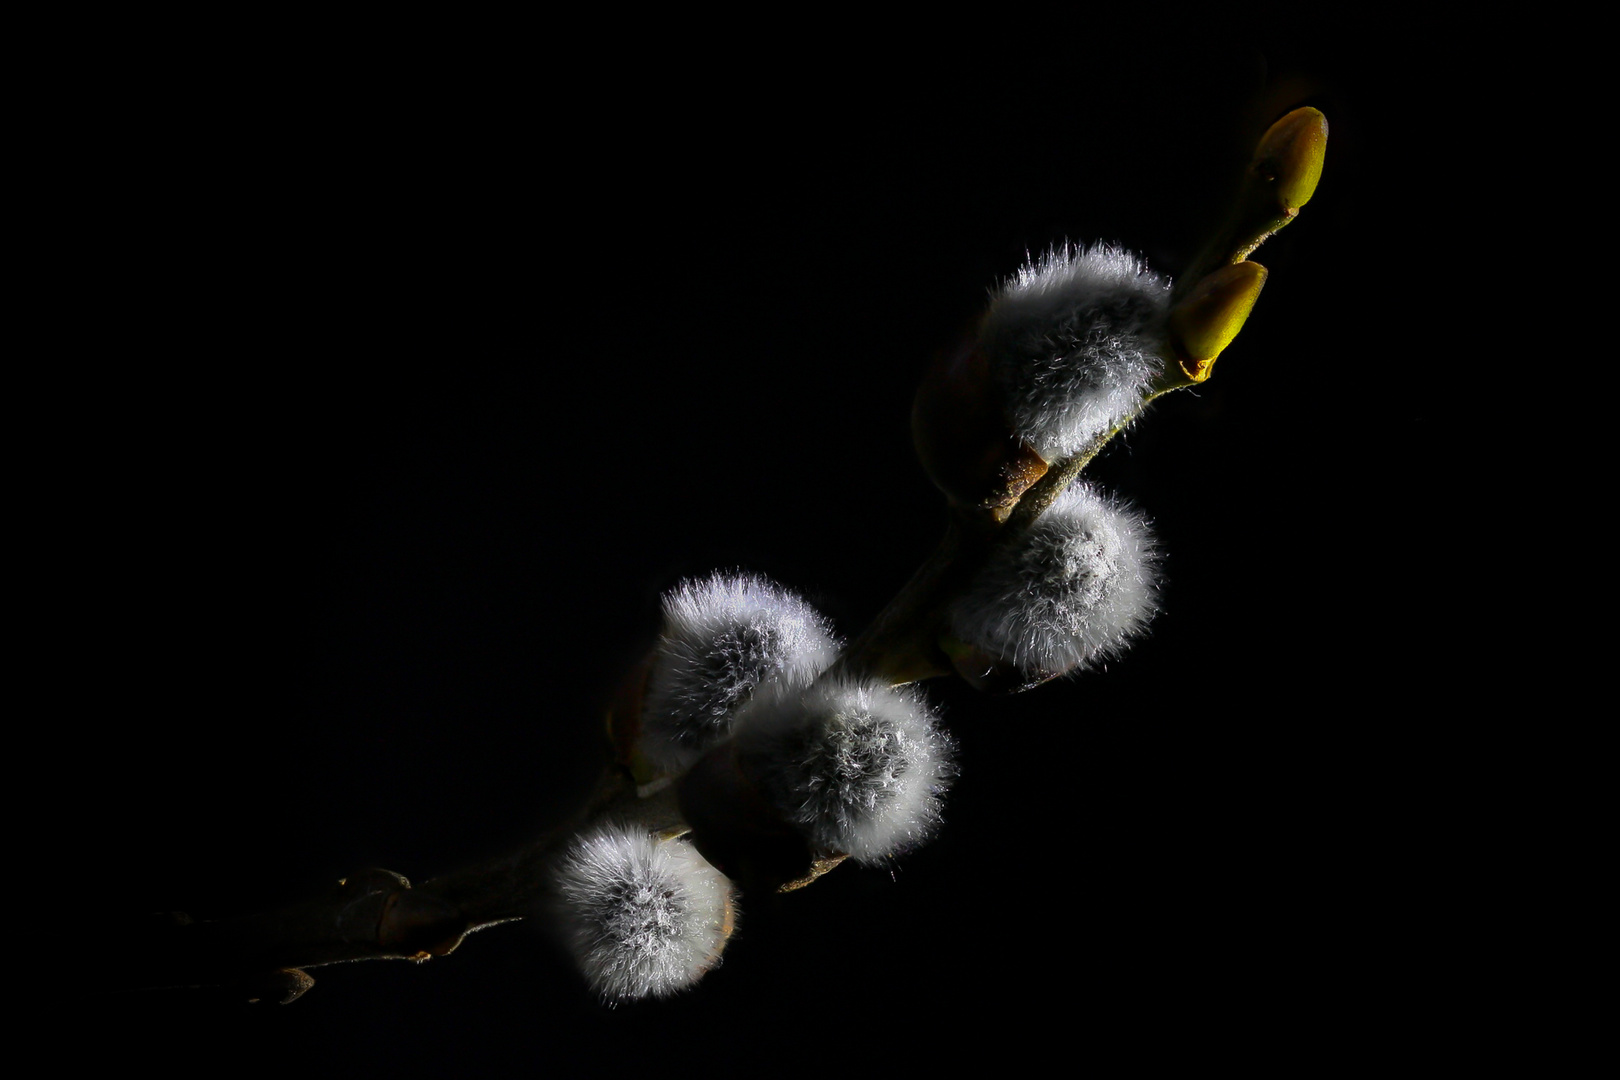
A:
736,829
624,711
963,437
990,674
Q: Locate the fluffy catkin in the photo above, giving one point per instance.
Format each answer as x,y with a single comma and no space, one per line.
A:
1073,590
723,636
858,767
644,917
1074,340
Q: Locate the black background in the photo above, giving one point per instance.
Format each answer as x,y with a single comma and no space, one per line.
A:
393,386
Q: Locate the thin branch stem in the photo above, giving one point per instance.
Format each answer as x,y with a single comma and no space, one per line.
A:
372,915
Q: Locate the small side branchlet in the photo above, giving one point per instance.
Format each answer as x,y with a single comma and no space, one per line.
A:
857,767
1073,591
644,917
722,637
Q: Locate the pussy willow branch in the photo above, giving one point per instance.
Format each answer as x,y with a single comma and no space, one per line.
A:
378,914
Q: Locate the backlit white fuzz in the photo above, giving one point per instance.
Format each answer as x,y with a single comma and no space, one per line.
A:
860,768
644,917
723,636
1073,590
1075,339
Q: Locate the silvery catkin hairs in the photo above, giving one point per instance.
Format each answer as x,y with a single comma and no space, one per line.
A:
644,917
1072,591
1074,340
857,767
722,637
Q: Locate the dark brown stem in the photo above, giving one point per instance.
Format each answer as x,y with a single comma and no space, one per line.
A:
372,915
511,887
900,644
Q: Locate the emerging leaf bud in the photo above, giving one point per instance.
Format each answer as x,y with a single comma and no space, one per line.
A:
1280,179
643,917
859,768
1290,157
1073,590
1209,318
723,636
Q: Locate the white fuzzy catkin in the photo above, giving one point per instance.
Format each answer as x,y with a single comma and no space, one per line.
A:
644,917
860,768
1072,591
1075,339
723,636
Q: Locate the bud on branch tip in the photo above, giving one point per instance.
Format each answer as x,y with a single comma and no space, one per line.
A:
1290,157
1281,178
